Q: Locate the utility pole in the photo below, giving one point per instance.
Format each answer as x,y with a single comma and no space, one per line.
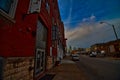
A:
115,32
113,29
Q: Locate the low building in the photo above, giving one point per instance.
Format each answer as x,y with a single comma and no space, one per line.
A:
111,48
99,47
114,48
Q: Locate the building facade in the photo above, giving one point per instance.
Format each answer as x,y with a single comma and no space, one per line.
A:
111,48
32,38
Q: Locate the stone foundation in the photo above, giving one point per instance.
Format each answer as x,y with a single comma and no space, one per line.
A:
49,62
18,68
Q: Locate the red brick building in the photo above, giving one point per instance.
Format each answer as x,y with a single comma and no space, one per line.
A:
32,38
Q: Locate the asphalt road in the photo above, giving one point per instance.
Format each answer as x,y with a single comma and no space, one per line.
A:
99,68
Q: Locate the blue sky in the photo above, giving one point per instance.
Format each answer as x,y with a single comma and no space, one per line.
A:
81,20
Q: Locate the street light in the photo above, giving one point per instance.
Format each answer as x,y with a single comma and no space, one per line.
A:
113,29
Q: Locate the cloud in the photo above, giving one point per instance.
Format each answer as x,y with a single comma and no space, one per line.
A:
91,18
82,30
85,19
86,34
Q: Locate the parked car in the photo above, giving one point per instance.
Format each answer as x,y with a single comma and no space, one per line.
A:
93,54
101,54
75,57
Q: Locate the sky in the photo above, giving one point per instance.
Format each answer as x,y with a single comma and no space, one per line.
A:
82,19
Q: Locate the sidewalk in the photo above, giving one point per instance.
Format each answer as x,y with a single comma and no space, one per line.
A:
67,70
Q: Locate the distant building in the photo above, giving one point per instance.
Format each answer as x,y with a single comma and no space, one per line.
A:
111,48
114,48
98,47
87,50
32,38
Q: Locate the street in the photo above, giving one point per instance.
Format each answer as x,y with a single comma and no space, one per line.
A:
99,68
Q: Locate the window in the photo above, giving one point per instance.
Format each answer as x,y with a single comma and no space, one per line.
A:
54,32
47,7
6,5
34,6
41,36
8,8
54,35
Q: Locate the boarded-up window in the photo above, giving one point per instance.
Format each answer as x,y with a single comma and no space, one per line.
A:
41,37
34,6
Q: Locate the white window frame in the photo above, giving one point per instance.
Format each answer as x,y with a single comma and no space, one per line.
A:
11,14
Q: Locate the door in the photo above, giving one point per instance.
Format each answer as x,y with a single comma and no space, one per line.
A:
39,61
41,39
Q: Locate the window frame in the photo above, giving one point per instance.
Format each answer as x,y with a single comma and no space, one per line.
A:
11,14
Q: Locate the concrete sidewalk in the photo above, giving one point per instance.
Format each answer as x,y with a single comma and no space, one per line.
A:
67,70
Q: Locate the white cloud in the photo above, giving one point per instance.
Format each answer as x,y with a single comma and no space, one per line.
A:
91,18
86,34
85,19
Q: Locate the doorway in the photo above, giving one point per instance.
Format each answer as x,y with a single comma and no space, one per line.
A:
40,56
